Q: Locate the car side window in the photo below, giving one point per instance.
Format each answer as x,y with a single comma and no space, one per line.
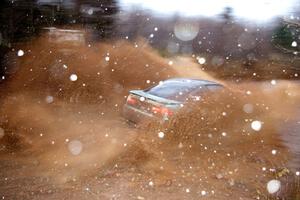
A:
199,91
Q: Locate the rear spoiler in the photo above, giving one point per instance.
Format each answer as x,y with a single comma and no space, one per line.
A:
153,97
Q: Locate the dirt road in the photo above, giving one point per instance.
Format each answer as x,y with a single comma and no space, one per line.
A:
65,139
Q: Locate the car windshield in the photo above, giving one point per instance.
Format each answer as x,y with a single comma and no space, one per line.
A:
178,91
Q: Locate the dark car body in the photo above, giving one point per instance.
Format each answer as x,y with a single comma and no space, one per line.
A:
165,99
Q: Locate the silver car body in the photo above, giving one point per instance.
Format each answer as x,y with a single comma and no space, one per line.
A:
165,99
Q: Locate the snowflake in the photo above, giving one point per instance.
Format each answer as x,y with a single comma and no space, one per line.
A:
201,60
75,147
274,152
273,82
151,183
161,135
49,99
20,52
273,186
294,44
73,77
256,125
142,99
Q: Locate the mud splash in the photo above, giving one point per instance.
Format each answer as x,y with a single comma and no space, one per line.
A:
43,111
73,129
234,136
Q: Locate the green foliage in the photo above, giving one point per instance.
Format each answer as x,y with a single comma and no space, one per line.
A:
284,36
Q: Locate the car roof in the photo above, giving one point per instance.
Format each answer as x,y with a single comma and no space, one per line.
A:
191,81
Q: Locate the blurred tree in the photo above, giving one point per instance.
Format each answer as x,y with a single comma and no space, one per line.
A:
286,37
228,15
16,20
99,16
16,24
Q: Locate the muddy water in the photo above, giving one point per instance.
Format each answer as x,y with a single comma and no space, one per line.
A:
290,134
